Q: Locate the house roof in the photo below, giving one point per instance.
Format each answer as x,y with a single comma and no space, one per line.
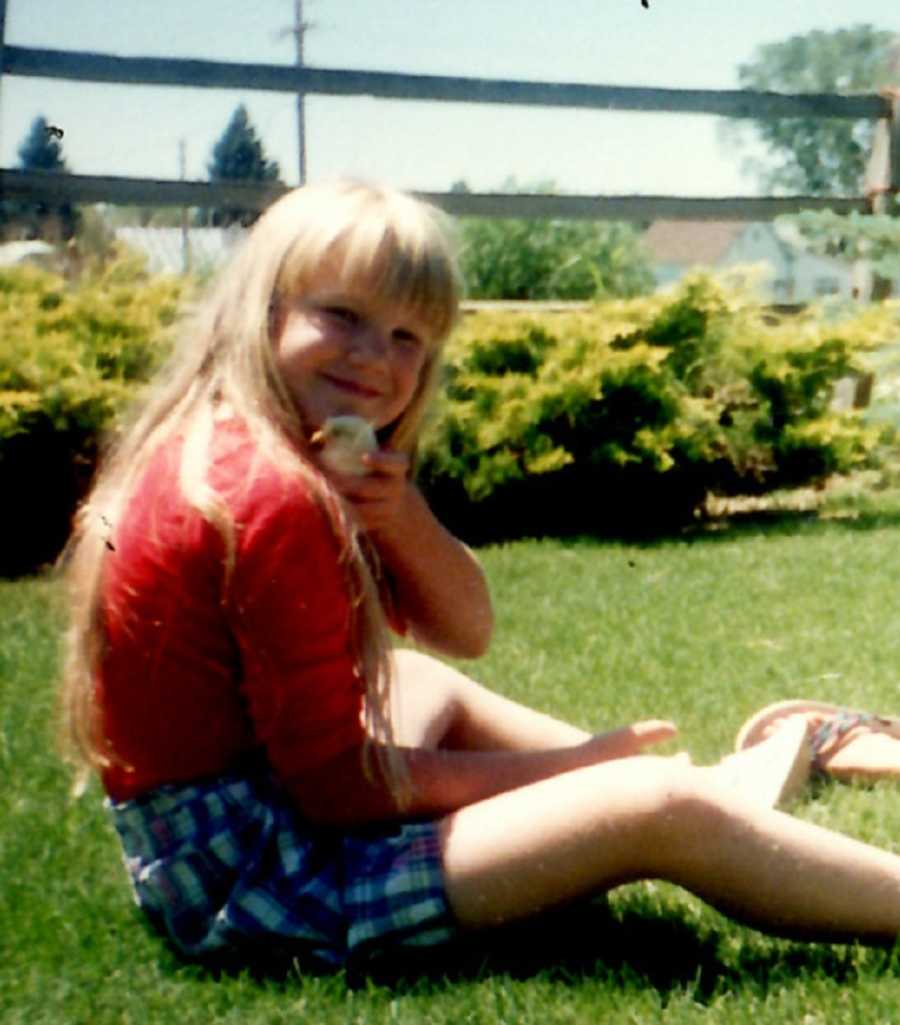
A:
691,242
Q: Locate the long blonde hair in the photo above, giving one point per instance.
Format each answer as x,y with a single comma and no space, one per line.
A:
377,238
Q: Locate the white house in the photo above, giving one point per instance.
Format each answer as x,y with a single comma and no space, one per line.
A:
172,251
797,276
34,251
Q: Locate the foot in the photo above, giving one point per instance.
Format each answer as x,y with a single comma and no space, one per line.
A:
774,771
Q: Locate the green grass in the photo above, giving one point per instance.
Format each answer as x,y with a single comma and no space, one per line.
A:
703,629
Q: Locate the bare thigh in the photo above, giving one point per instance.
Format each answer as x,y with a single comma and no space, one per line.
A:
436,705
569,836
591,829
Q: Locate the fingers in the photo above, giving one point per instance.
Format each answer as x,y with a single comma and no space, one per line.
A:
641,735
631,740
383,469
378,495
653,731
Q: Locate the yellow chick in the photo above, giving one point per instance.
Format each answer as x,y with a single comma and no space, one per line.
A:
342,441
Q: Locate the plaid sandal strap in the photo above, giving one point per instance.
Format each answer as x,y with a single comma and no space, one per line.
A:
835,729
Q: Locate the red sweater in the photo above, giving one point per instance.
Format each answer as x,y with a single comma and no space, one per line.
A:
195,678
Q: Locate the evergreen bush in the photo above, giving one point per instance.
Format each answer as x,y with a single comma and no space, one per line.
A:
621,416
73,354
625,417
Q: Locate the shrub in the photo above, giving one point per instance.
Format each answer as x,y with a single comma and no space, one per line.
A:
628,415
73,354
546,259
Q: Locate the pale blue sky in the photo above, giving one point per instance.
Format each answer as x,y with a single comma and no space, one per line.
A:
675,43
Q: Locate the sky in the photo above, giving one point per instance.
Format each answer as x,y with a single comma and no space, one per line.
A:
142,131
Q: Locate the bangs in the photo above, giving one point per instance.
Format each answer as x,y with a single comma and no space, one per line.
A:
386,244
408,273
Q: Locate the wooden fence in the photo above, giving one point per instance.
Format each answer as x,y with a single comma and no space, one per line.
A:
883,178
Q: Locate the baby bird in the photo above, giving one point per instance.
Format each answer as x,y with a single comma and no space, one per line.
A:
342,441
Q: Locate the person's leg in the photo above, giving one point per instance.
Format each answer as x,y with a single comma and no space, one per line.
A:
775,770
435,705
587,831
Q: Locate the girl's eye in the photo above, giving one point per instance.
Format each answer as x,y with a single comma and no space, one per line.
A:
343,313
407,339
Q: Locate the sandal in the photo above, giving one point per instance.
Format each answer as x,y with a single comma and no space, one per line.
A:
838,726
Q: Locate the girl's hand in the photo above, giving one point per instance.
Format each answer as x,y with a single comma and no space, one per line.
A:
631,740
379,497
438,587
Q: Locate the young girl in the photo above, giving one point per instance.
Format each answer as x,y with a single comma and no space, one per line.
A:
277,774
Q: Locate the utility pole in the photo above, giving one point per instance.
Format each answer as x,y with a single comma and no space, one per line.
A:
300,28
882,178
185,234
2,44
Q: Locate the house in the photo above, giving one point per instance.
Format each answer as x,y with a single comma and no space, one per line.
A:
33,251
797,276
174,251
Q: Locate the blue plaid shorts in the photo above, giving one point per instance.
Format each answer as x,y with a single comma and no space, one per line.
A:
229,864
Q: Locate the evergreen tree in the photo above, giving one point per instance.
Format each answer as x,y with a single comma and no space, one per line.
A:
41,150
239,156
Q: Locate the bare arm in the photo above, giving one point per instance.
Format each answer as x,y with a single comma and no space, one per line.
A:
340,793
438,583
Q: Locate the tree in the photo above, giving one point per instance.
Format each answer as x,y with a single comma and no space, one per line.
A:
239,156
550,259
817,156
41,150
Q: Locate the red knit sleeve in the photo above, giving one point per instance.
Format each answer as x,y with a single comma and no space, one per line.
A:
290,612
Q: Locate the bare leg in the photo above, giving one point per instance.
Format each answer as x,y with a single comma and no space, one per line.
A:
775,770
437,706
592,829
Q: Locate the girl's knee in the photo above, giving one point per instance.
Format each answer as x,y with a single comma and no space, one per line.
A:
682,798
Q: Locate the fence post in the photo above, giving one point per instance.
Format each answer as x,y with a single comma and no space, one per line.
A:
2,39
882,180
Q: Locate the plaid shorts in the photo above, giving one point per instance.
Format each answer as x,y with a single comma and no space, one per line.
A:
229,864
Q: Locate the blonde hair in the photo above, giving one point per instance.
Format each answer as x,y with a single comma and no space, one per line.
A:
377,239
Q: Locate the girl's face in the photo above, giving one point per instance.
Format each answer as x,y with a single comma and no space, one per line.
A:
342,351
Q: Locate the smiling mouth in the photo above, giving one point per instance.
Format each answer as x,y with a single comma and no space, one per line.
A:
353,387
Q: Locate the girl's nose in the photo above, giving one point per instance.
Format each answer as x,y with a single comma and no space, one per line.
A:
370,342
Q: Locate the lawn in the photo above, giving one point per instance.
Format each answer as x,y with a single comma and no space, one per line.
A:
702,628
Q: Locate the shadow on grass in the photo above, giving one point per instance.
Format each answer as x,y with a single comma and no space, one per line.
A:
634,948
767,523
787,522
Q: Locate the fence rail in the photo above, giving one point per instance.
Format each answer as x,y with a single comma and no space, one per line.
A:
38,185
167,71
883,177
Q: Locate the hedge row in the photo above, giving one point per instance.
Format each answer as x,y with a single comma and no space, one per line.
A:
626,415
72,357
